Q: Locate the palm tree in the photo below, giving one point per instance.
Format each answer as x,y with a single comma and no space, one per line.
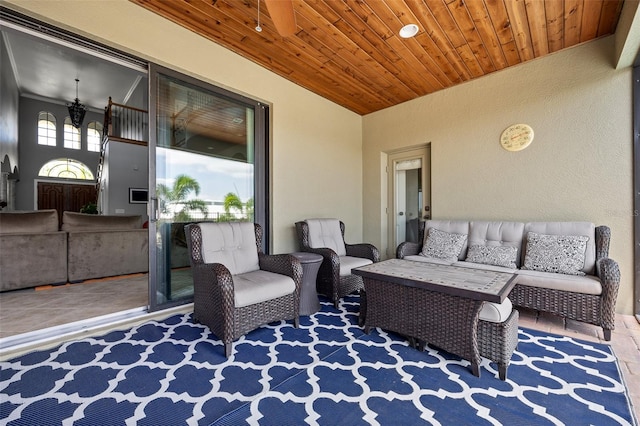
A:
182,187
231,201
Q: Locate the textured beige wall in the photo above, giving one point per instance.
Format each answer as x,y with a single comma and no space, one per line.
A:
316,151
579,166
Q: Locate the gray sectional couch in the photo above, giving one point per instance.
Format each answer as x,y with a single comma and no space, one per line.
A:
104,246
35,252
561,267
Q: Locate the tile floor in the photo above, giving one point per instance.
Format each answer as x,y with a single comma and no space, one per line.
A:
28,310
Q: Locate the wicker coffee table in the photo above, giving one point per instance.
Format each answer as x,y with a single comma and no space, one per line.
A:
439,304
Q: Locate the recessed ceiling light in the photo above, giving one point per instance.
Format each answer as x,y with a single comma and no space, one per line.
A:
409,31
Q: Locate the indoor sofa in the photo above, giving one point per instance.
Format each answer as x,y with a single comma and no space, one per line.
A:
33,251
560,267
103,246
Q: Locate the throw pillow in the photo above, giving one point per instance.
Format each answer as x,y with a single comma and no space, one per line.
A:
493,255
563,254
443,245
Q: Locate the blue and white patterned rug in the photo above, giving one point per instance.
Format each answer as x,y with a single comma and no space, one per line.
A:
327,372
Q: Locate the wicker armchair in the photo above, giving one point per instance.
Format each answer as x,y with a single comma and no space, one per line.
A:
326,237
237,287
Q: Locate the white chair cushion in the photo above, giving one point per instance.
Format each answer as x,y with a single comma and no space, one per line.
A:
231,243
258,286
496,312
347,263
326,233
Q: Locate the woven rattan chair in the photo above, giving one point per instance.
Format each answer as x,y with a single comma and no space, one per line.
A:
326,237
237,287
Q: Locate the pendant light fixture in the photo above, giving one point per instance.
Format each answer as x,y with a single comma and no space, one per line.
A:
76,110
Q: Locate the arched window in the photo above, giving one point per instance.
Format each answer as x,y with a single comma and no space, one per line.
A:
46,129
94,136
71,135
66,168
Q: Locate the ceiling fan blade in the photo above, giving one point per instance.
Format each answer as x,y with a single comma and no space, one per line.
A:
282,15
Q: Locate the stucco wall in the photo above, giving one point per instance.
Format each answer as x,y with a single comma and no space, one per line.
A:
316,154
579,166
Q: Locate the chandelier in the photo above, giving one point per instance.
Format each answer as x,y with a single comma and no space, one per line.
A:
76,110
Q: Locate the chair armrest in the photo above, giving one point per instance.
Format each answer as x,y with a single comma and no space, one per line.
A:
368,251
213,282
609,274
407,249
284,264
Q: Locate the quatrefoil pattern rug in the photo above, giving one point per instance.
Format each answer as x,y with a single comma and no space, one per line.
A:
327,372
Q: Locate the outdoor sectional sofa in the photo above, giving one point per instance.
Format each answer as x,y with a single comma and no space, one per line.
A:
36,252
561,267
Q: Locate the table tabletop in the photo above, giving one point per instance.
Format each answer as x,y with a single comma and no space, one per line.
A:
478,284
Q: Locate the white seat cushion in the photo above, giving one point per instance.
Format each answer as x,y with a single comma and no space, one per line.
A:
326,233
258,286
231,243
496,312
347,263
585,284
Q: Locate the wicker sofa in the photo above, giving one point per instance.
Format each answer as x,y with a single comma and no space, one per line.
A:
581,284
34,250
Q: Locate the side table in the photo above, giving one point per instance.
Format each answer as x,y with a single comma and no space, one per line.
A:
311,262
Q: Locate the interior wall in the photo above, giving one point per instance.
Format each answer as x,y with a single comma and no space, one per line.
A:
316,146
34,156
125,166
578,168
9,102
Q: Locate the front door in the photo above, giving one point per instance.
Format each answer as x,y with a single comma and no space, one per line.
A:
410,198
65,196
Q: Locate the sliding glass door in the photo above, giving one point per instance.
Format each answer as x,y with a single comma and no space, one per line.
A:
208,163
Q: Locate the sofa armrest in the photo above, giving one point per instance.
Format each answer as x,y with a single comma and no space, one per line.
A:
284,264
364,250
609,274
408,249
603,238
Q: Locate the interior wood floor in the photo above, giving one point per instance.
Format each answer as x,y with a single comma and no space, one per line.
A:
29,310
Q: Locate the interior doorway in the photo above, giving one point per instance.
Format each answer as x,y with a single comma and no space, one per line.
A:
409,174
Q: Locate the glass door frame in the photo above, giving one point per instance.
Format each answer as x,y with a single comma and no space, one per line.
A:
261,170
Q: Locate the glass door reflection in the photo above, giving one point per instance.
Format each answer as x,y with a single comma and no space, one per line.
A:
203,171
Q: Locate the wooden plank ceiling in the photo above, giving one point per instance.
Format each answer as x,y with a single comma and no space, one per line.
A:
349,51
